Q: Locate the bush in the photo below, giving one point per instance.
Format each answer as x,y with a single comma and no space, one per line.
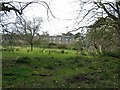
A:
112,53
17,49
84,52
62,51
52,45
62,46
74,48
8,49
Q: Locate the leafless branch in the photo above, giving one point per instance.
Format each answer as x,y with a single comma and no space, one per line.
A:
76,29
8,6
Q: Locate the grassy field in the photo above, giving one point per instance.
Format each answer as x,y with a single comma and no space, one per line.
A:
52,68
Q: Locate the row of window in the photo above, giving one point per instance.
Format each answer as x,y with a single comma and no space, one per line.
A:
58,41
66,39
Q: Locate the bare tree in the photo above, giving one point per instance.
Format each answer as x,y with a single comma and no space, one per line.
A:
90,10
102,35
112,10
29,30
11,11
16,9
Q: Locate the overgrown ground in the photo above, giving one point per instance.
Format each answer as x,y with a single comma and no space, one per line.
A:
37,69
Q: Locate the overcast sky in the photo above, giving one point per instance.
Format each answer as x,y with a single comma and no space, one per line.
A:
64,10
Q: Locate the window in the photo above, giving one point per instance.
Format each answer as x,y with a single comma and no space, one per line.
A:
50,39
54,38
59,38
66,39
59,41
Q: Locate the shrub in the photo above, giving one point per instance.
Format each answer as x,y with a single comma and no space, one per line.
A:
62,51
28,50
17,49
52,45
8,49
62,46
112,53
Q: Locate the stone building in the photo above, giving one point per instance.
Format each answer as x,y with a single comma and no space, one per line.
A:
61,39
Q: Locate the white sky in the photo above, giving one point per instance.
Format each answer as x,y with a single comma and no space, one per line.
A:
62,9
65,10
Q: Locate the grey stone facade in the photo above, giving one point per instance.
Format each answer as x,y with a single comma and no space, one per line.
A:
61,39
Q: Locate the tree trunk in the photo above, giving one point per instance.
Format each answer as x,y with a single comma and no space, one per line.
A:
31,47
118,28
100,49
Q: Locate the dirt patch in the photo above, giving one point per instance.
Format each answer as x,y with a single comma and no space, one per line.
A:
79,78
23,60
44,75
8,74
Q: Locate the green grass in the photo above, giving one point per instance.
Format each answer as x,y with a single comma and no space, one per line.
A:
37,69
